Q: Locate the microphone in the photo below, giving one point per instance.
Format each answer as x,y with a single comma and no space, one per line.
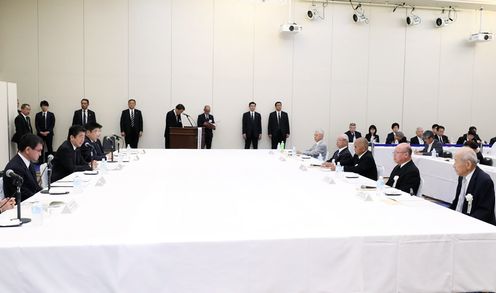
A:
13,175
116,137
187,116
87,144
50,159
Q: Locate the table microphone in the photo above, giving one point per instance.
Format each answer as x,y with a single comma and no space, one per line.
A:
187,116
11,174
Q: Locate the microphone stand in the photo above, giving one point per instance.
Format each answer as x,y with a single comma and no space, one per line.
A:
187,116
18,184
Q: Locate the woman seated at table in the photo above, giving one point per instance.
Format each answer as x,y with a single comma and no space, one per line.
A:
372,135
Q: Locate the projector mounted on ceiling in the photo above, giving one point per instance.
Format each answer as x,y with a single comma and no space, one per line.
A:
291,26
481,36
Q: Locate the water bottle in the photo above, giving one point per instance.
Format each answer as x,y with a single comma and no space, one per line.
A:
278,146
294,151
320,158
433,153
380,185
339,168
78,186
37,213
282,146
104,165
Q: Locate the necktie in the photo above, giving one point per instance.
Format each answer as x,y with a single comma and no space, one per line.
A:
84,117
206,117
132,118
461,196
440,139
177,118
45,119
278,118
28,121
32,171
252,116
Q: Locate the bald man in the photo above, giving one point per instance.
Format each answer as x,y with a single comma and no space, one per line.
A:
363,161
405,176
475,182
342,155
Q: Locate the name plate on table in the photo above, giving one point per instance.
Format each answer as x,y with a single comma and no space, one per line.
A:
70,207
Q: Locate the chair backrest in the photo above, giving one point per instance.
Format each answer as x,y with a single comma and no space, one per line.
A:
44,175
447,154
419,191
487,161
380,170
2,195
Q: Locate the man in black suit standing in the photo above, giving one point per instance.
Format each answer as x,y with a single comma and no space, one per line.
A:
418,138
391,136
405,176
92,149
352,133
173,119
68,157
342,155
207,120
131,124
475,189
363,161
30,147
83,115
44,123
252,126
278,125
430,145
22,123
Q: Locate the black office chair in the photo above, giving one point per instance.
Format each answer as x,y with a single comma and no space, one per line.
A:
487,161
447,154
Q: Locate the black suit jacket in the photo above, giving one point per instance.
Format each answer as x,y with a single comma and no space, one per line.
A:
22,127
390,138
463,139
414,140
39,122
376,136
444,137
126,121
67,161
408,178
77,119
364,166
273,127
170,121
350,137
95,147
481,187
435,145
344,158
252,128
30,185
202,119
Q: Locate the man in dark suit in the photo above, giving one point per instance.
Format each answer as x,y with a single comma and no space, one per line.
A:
342,155
278,125
418,138
92,149
207,120
83,115
68,157
352,133
471,135
430,145
252,126
173,119
131,124
30,147
44,123
22,123
391,136
405,176
475,189
363,161
443,139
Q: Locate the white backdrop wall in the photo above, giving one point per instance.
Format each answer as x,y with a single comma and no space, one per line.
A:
229,52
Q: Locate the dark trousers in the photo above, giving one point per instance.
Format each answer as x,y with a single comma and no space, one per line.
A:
278,137
208,140
132,139
47,148
251,140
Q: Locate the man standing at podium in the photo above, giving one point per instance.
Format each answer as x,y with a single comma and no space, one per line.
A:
173,119
278,125
131,124
207,120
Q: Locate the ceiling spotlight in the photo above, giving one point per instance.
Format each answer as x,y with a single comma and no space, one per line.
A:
312,13
413,19
359,15
445,20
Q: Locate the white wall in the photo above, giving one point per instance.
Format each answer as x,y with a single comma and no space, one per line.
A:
229,52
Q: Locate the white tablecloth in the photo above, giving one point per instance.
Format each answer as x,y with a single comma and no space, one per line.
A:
244,221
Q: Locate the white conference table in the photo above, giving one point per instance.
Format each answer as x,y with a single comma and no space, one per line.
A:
244,221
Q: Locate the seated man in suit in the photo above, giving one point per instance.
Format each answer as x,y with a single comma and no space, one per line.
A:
29,150
418,139
352,133
399,137
22,123
92,148
443,139
405,176
475,189
173,119
68,158
474,146
342,155
470,135
83,115
391,136
363,161
319,148
430,144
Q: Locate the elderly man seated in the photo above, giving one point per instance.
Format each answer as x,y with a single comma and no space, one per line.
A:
405,176
475,190
319,148
430,144
342,155
363,161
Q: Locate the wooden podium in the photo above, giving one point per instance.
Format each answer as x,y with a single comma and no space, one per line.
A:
187,137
